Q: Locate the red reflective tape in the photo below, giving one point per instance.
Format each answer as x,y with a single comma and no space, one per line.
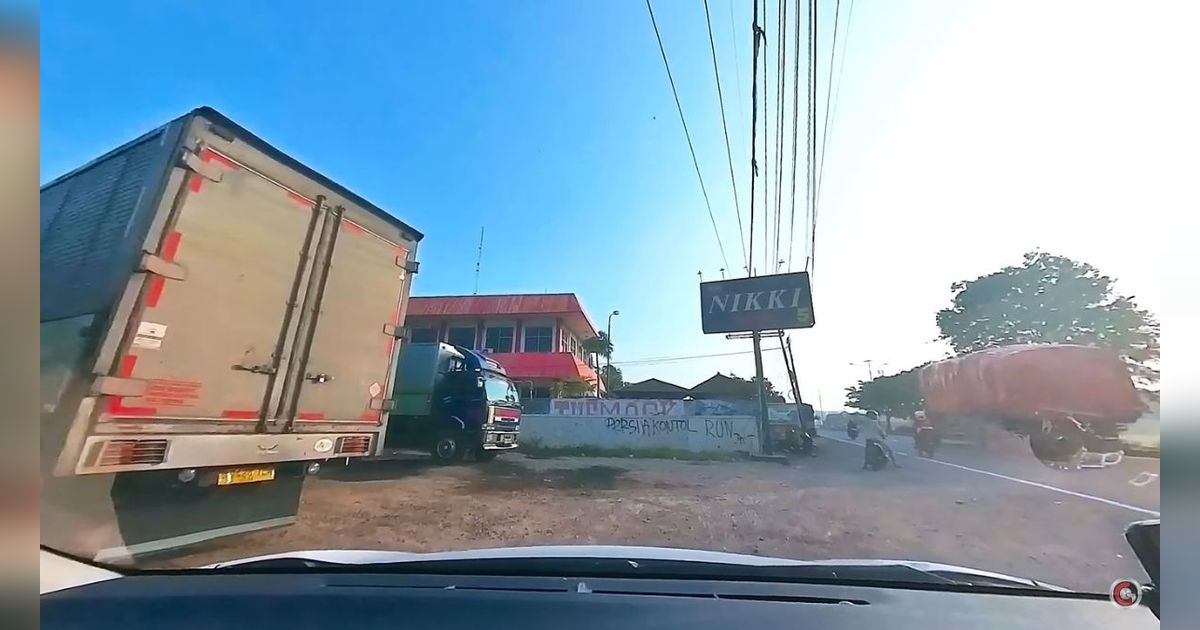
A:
117,407
154,292
195,183
208,155
371,415
301,199
240,414
353,227
170,246
316,415
125,367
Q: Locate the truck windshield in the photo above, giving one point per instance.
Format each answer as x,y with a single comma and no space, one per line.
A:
500,390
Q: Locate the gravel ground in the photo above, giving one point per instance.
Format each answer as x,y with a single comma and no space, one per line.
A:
819,508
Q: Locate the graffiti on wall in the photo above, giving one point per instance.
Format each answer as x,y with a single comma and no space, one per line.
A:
650,427
606,407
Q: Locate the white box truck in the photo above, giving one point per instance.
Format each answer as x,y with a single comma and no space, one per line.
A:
216,317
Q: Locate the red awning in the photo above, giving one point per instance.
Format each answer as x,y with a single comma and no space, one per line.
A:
549,365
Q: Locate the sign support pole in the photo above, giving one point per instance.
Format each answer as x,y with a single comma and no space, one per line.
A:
764,423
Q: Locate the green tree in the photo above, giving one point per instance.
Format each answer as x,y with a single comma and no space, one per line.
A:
1052,299
599,345
613,379
895,395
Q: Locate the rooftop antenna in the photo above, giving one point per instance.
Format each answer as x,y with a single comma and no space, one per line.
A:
700,274
478,260
722,273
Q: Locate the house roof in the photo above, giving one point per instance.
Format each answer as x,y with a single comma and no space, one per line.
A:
720,385
561,304
653,385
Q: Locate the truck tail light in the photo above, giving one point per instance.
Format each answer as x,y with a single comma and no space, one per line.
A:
127,452
353,445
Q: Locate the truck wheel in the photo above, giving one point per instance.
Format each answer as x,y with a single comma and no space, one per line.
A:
447,449
485,456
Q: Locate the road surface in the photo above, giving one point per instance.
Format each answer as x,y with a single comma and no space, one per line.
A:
998,511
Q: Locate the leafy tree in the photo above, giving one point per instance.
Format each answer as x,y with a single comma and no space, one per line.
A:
613,379
1052,299
896,395
599,345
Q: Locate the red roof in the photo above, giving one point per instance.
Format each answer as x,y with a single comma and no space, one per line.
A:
557,365
512,304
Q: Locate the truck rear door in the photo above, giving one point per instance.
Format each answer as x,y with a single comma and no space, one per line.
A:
349,365
209,346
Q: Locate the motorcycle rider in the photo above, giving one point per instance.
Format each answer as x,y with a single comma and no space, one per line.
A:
925,436
877,454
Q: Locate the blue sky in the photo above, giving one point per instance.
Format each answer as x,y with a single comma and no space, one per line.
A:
965,134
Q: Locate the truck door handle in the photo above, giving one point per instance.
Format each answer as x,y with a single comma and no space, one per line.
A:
265,368
318,378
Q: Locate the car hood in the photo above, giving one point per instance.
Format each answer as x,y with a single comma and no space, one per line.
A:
619,552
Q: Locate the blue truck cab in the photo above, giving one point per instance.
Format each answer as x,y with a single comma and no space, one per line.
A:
452,402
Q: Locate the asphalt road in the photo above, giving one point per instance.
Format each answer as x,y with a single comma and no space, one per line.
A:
999,511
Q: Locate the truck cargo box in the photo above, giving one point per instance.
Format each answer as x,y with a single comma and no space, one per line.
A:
208,300
1032,382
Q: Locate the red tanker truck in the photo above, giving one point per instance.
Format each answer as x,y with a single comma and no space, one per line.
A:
1072,402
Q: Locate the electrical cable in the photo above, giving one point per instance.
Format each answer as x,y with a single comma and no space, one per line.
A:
669,359
725,128
795,130
687,134
758,33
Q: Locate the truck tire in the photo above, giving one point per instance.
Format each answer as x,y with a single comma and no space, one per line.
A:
1056,447
447,448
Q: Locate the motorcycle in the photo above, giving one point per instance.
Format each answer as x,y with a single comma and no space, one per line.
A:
926,440
877,457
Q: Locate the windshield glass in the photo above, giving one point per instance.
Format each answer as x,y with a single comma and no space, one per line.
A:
501,390
813,280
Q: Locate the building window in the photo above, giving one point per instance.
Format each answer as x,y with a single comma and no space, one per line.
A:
574,346
539,339
462,336
499,339
424,335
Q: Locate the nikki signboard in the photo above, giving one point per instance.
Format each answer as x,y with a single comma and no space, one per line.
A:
775,302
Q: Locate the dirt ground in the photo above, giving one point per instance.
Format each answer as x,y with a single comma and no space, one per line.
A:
812,509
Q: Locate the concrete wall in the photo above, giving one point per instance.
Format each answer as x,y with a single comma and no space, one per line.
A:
729,434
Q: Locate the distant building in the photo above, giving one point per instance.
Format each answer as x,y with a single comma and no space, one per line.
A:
716,387
538,338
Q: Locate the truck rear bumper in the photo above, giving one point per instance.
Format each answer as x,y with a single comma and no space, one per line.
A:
119,453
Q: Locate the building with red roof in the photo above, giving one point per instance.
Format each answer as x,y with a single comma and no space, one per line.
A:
538,338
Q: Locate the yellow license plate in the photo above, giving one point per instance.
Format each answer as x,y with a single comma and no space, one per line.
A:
244,475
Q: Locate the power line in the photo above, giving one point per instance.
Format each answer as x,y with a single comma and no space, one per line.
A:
687,134
757,34
795,130
830,117
737,67
669,359
780,106
766,152
725,128
810,261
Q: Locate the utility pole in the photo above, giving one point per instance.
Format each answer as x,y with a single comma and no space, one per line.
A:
764,423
